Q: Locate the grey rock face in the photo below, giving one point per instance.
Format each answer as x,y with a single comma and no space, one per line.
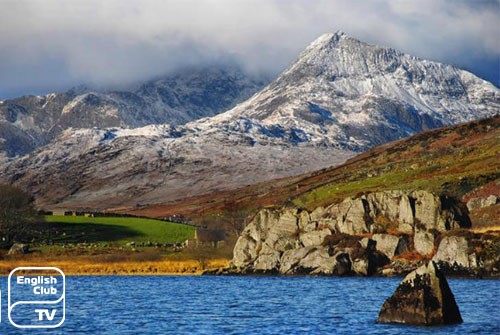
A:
357,216
422,298
318,261
292,257
476,203
314,237
468,253
453,250
423,242
390,245
250,242
293,241
267,261
245,252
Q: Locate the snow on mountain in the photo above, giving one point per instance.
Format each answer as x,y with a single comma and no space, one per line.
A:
102,168
31,121
340,97
344,91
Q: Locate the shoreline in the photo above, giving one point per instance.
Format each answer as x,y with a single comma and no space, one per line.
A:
206,272
130,268
201,273
400,276
183,267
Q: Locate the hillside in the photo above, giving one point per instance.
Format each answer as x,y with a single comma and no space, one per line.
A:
388,211
451,160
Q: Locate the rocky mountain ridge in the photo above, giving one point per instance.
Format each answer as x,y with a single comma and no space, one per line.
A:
350,94
188,94
459,160
340,97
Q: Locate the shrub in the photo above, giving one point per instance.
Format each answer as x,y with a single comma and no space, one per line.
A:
146,256
383,225
341,240
19,221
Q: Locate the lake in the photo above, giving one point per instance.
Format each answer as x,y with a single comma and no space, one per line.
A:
251,305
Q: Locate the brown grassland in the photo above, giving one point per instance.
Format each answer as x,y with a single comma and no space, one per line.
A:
89,266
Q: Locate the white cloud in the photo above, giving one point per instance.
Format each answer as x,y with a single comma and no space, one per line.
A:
49,45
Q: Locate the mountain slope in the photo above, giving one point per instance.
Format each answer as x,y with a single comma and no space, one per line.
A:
101,168
189,94
451,160
340,97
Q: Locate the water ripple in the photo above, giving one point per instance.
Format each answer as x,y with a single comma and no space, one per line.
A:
253,305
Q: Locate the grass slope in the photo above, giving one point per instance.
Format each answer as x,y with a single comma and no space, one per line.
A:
119,230
452,161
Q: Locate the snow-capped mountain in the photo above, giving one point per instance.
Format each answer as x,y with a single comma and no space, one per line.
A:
344,91
340,97
189,94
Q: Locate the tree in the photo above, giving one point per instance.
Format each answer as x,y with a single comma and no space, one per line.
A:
235,216
18,218
230,217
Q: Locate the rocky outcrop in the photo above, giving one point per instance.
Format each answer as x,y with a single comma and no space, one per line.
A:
463,252
326,240
476,203
18,249
398,210
315,260
453,250
422,298
423,242
390,245
315,237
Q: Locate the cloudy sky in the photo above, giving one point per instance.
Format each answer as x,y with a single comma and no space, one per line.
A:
51,45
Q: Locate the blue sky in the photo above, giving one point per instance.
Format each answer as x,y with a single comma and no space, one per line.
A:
52,45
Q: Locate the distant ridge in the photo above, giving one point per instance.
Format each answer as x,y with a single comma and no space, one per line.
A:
188,94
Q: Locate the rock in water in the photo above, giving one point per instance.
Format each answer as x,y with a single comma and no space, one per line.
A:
422,298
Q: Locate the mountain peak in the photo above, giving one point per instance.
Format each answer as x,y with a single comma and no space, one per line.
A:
328,39
360,94
338,54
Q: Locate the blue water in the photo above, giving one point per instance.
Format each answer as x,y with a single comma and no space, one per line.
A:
251,305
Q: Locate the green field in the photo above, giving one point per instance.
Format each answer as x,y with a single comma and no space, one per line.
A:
115,230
